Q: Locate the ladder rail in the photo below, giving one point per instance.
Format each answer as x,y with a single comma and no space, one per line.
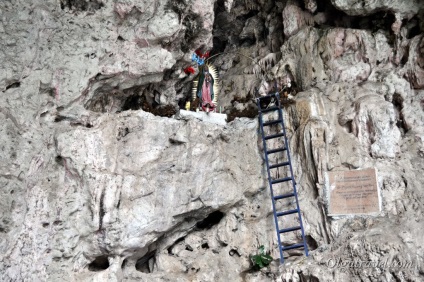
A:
270,183
291,177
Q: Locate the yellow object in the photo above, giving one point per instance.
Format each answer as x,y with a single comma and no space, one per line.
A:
187,106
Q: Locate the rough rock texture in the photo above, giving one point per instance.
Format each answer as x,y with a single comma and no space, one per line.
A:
102,179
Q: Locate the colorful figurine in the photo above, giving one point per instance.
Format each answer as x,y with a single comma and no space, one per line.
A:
205,91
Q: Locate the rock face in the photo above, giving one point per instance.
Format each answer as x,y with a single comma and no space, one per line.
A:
103,178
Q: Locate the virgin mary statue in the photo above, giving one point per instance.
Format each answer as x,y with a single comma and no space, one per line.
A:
205,90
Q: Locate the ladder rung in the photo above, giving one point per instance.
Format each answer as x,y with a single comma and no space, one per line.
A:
270,109
275,150
278,165
268,96
287,212
281,180
271,122
292,247
284,196
274,136
289,229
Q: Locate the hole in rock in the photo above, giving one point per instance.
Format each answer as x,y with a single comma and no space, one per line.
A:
57,222
348,126
405,56
250,111
397,101
233,252
99,263
413,27
60,118
13,85
380,20
59,160
109,99
205,246
219,44
170,249
189,248
124,263
145,263
211,220
310,241
133,102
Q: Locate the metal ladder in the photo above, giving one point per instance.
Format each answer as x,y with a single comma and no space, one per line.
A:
284,152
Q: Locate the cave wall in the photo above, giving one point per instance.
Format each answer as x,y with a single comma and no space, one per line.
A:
96,188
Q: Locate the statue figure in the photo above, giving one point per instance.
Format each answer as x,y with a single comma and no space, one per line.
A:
205,90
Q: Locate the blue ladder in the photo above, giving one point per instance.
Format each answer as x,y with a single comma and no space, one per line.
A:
272,104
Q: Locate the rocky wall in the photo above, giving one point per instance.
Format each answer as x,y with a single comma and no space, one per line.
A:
96,188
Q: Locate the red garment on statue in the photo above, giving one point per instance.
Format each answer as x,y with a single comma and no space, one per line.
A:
206,96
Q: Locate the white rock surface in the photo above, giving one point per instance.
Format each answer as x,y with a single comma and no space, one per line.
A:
94,188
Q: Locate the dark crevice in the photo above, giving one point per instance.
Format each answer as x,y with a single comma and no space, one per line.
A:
81,5
380,20
173,245
211,220
311,242
397,101
100,263
169,74
397,278
233,252
133,102
413,27
101,210
205,246
219,45
247,41
13,85
405,56
250,110
308,278
122,132
59,160
112,100
348,126
144,264
72,121
60,118
124,263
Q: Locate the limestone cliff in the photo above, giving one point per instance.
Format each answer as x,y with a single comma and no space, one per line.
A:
104,178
